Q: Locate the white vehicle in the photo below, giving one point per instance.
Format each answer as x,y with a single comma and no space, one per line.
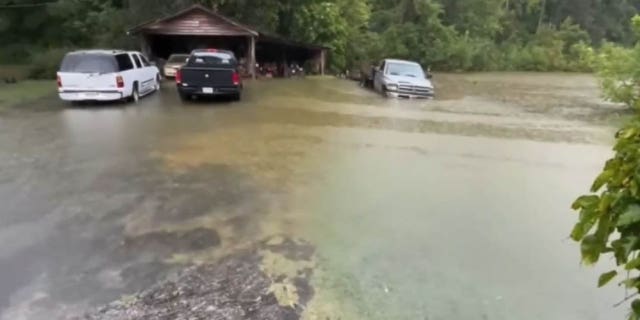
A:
106,75
400,78
175,62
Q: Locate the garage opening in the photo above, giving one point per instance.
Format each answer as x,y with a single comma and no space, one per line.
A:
162,46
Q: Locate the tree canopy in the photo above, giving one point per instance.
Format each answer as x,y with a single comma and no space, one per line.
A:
445,34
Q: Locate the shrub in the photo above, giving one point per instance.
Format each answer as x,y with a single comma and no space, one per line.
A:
14,53
44,65
609,220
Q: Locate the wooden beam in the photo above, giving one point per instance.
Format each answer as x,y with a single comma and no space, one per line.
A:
323,57
251,57
145,46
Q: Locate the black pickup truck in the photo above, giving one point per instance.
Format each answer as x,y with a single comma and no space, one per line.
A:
209,72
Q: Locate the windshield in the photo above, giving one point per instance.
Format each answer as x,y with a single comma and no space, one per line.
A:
405,69
177,58
88,63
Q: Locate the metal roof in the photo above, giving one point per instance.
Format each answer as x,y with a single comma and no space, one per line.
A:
195,20
198,20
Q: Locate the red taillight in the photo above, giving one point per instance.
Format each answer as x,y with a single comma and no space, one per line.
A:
119,82
59,81
179,76
235,77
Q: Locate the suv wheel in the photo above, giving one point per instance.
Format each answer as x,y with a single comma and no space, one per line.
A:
157,85
135,96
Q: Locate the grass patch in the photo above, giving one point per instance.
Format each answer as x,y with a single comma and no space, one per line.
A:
25,91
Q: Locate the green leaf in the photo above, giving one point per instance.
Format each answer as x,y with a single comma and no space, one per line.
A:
606,277
585,202
630,283
622,247
590,249
628,133
601,180
605,202
632,264
580,230
630,216
635,306
588,217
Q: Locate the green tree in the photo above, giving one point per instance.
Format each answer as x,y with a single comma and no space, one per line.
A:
323,23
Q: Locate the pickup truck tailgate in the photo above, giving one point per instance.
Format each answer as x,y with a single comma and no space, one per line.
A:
207,77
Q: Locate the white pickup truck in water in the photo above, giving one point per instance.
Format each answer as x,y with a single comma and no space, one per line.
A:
400,78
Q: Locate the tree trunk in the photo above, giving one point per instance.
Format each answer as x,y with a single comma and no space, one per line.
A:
543,7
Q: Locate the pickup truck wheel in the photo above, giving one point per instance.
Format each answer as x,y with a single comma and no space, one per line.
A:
184,97
385,92
236,97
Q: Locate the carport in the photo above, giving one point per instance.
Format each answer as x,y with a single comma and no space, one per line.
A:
198,27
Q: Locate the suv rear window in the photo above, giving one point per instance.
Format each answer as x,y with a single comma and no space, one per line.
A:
88,63
212,59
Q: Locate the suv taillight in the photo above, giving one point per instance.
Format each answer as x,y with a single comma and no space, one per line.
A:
59,81
235,77
119,82
179,76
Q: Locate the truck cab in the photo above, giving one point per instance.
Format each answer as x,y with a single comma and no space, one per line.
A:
401,78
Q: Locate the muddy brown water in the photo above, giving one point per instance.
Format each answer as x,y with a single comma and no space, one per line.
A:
456,208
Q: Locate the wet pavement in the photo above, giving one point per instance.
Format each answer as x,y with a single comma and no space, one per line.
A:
456,208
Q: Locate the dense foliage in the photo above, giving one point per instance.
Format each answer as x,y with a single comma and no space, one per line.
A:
444,34
609,220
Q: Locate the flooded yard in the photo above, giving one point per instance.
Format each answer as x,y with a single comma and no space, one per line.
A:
347,205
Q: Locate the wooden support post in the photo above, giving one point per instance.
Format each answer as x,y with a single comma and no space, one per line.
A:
145,46
251,57
322,61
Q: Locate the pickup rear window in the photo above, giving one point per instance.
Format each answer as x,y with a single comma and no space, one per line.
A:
88,63
212,59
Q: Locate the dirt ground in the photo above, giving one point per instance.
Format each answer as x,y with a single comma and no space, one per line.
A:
309,199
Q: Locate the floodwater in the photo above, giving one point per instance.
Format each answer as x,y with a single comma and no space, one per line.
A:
456,208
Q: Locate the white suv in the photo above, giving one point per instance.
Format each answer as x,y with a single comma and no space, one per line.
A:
106,75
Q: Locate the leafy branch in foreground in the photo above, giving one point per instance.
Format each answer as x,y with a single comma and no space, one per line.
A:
609,217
